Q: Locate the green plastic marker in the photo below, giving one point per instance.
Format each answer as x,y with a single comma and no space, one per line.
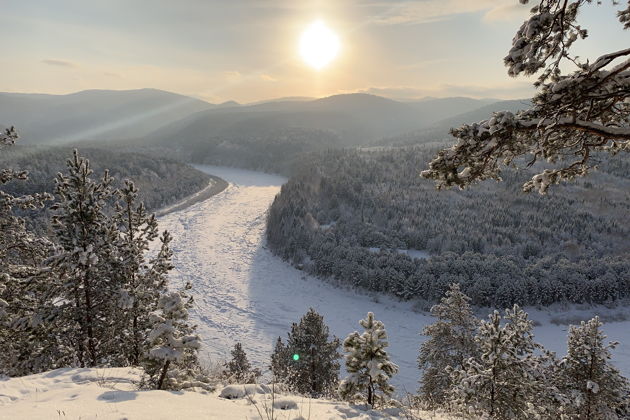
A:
296,357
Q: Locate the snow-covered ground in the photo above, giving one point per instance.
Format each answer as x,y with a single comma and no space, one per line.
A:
244,293
104,394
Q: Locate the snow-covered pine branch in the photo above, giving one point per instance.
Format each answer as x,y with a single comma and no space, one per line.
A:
172,359
8,136
572,117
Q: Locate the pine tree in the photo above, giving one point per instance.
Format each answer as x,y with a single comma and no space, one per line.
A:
594,388
139,282
450,344
26,345
280,361
499,383
314,368
172,359
367,362
239,370
84,264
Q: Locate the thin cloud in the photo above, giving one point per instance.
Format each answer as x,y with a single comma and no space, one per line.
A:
232,75
424,64
59,63
508,12
268,78
425,11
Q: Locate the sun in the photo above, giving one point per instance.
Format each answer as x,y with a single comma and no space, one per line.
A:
319,45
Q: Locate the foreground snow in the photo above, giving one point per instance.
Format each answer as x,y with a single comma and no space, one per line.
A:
244,293
112,394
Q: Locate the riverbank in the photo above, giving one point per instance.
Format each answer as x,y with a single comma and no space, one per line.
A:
214,187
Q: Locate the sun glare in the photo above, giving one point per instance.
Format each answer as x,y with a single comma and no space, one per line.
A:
319,45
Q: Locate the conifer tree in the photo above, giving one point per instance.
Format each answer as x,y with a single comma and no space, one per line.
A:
499,383
139,282
23,339
280,361
367,362
172,359
239,370
314,368
594,388
450,344
86,238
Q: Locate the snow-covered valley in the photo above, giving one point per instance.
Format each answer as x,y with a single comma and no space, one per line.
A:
244,293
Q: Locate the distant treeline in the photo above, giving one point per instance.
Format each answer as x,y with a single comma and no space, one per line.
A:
353,216
161,181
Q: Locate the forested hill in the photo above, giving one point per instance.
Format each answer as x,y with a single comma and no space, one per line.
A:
161,181
361,217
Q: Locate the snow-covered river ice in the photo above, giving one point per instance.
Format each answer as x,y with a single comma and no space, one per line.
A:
244,293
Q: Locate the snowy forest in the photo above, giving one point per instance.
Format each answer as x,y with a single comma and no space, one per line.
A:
357,217
161,181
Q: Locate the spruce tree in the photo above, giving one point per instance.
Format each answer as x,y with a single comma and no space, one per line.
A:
172,359
450,344
86,238
594,388
499,383
314,367
239,370
367,362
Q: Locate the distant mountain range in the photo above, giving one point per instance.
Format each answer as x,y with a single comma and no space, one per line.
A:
149,116
93,114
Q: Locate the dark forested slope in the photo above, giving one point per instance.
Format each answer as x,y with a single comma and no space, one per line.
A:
360,217
161,181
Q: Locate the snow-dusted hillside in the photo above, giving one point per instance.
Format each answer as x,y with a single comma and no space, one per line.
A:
244,293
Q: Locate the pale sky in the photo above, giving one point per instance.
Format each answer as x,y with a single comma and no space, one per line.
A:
247,50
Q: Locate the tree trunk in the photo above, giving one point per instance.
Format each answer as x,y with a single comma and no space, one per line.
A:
163,374
135,357
371,393
88,321
78,318
313,382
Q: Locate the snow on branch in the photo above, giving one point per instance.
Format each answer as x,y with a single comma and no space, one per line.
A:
572,115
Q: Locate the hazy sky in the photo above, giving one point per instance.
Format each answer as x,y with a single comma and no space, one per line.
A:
247,50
